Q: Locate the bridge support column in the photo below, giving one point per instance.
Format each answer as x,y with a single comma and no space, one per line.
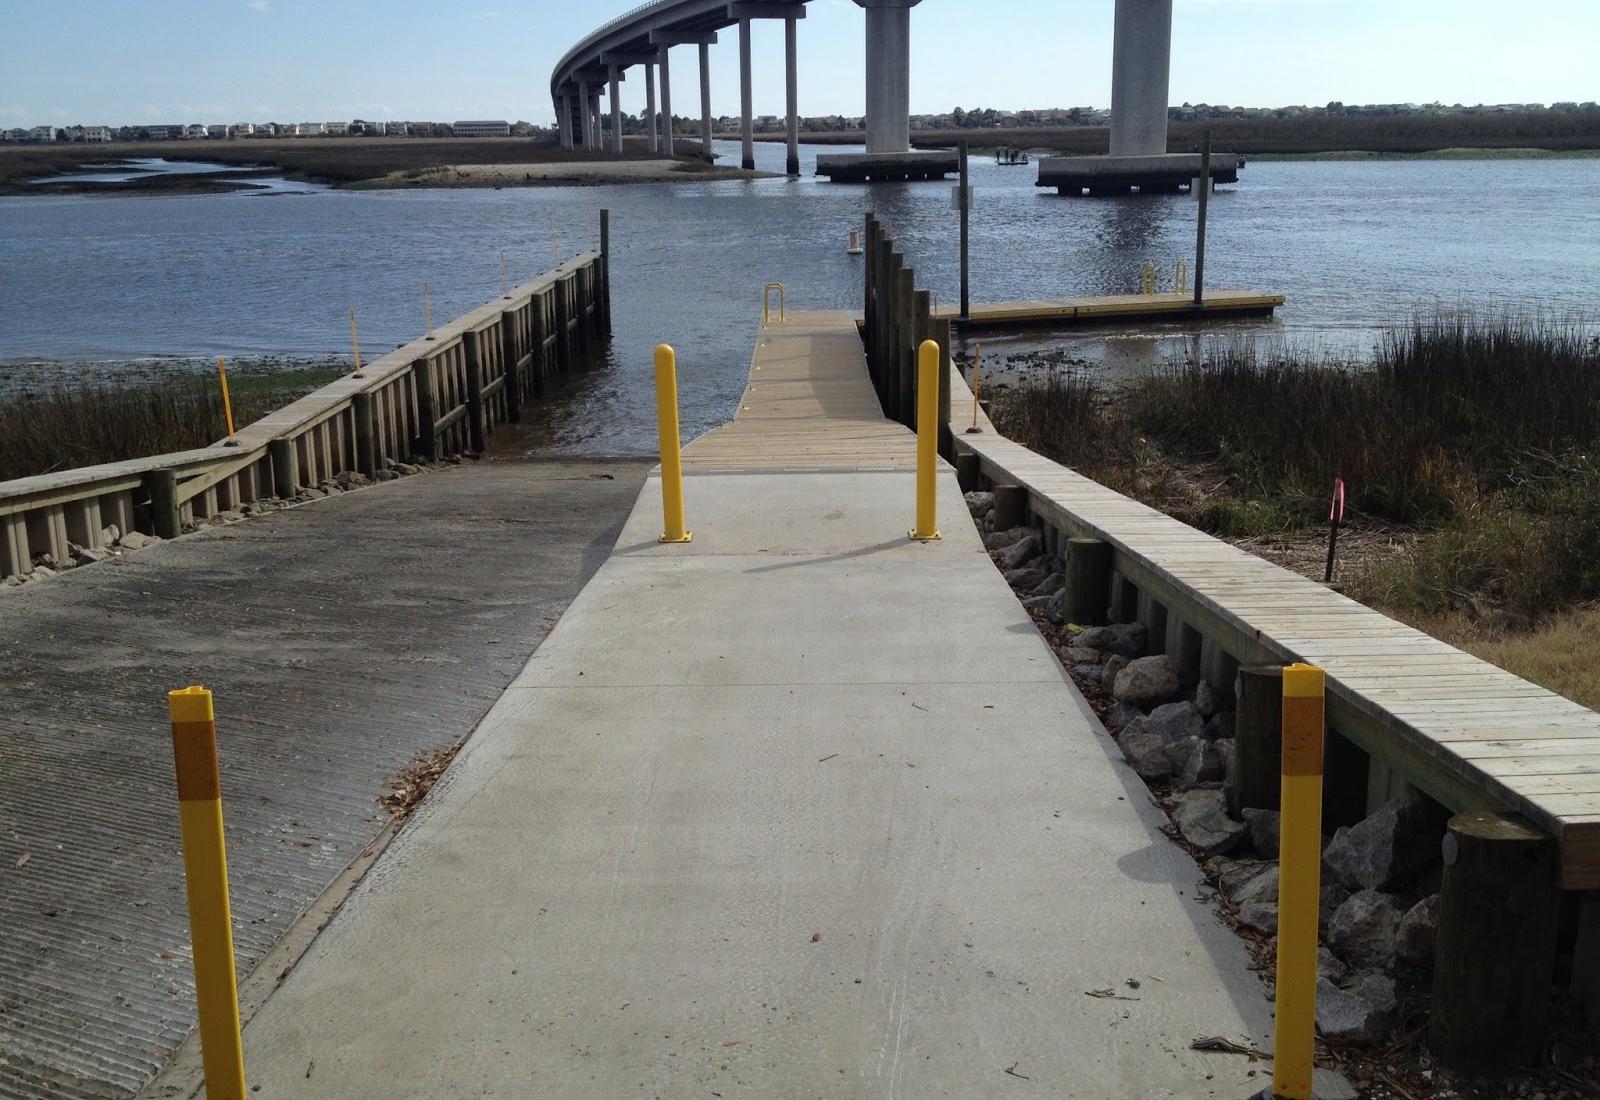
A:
888,74
652,125
705,104
586,120
791,66
666,101
1141,64
616,113
564,119
746,117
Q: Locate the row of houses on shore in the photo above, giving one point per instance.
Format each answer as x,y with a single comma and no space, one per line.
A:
218,131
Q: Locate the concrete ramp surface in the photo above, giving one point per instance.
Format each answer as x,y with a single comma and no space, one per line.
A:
802,808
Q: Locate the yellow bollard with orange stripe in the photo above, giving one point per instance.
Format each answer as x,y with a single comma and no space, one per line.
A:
1299,883
928,362
205,872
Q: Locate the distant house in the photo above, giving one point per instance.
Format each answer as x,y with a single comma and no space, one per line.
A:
217,131
96,133
13,135
306,129
495,128
338,129
195,132
42,134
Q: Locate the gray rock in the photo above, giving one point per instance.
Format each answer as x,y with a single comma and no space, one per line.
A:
1204,822
1263,831
1148,682
14,581
135,540
41,573
1147,752
979,504
1175,722
1225,750
1389,848
331,488
1330,966
1050,585
90,556
385,475
1121,716
110,534
1202,764
1206,700
1419,929
1077,655
311,494
1023,550
1126,639
1040,604
222,519
46,560
351,479
406,469
1220,725
999,540
1234,874
1057,610
1259,888
1362,1013
1114,669
1089,674
1330,1084
1259,915
1362,931
1026,579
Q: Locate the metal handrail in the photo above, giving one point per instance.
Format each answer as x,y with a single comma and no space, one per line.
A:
766,303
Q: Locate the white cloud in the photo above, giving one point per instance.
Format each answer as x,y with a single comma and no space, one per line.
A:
259,5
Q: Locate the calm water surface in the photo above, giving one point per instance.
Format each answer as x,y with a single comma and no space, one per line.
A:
1353,246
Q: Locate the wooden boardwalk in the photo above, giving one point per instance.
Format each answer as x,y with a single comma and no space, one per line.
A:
1063,312
808,405
1470,734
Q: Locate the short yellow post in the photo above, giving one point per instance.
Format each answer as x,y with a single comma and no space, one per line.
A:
927,528
671,457
205,872
227,400
1299,883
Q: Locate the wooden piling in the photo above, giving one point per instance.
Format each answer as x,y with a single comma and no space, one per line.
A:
921,329
1088,581
603,282
477,424
510,358
560,290
1495,953
1258,740
165,514
1010,507
1585,984
427,442
361,413
285,468
969,472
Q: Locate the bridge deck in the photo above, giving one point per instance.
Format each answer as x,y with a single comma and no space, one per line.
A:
1473,735
801,808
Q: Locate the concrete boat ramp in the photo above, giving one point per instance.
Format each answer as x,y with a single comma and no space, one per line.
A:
802,808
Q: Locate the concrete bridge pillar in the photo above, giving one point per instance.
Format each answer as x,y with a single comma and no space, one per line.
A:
792,91
586,119
1141,64
616,112
666,101
564,119
705,103
888,74
651,125
746,108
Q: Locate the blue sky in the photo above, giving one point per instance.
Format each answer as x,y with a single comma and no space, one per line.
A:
144,61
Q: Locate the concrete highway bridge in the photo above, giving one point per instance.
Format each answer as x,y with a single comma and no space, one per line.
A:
805,805
642,39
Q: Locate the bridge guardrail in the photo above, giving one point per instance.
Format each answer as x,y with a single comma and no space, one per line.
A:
425,400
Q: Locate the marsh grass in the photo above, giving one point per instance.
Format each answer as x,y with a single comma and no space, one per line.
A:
60,426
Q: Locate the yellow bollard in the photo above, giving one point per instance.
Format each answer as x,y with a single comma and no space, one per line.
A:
227,401
1299,883
205,872
927,528
671,458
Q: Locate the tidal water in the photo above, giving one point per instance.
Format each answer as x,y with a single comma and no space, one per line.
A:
1353,245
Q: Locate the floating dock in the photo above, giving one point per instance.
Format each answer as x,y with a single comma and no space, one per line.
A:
887,167
1164,174
1064,312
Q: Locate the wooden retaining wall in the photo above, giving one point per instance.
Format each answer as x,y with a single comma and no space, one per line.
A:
436,396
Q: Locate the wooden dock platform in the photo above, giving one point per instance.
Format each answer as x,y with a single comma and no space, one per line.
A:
1111,309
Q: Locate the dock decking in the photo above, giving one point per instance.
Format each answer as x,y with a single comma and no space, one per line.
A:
1066,312
1472,735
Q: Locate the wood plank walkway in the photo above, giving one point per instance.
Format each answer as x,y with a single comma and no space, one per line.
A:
1115,307
1471,734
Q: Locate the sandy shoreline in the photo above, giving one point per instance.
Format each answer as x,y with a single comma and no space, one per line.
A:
557,174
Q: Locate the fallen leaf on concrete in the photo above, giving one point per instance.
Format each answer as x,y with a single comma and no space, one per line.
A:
1108,995
1011,1071
23,862
730,1042
1215,1044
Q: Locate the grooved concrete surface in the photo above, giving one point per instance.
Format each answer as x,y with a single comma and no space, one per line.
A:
801,809
341,639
